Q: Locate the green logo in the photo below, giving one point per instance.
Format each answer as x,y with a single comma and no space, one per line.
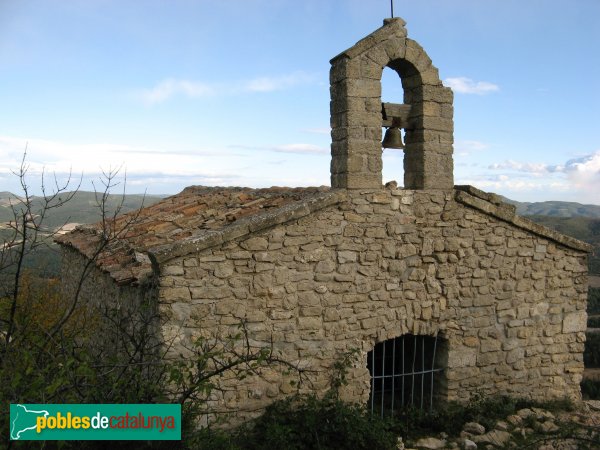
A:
95,422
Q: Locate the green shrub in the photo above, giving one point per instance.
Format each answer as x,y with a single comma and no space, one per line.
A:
214,439
311,423
306,422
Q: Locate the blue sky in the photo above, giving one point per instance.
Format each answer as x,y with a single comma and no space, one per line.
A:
236,92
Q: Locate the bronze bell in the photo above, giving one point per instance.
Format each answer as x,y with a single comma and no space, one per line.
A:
392,138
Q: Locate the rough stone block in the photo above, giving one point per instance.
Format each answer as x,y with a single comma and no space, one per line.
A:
460,358
344,68
574,322
175,293
490,345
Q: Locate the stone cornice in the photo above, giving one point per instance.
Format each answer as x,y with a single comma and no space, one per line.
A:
245,226
492,205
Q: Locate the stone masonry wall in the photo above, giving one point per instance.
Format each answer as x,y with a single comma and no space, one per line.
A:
107,306
383,263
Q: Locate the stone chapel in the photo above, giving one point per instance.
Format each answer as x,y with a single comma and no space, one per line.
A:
440,291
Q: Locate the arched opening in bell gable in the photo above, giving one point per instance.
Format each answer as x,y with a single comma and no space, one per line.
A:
359,113
392,158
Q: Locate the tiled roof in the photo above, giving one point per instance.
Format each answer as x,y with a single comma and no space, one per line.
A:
190,215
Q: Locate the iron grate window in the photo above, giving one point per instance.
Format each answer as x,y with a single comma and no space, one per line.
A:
403,373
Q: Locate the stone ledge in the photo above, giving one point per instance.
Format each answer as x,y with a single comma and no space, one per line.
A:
245,226
487,196
491,204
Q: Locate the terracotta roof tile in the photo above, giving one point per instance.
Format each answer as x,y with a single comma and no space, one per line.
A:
191,213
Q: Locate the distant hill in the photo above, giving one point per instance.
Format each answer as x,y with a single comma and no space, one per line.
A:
555,209
82,208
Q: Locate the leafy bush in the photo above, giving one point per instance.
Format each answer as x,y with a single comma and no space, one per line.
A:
304,422
310,423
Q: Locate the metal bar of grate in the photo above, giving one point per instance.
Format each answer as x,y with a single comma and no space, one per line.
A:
393,375
373,378
412,386
422,367
383,378
418,372
403,372
432,371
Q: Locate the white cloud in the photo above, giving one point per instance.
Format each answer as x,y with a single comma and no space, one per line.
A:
584,173
171,87
464,85
588,165
466,147
160,171
504,184
575,180
300,148
320,130
269,84
530,168
287,148
60,158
